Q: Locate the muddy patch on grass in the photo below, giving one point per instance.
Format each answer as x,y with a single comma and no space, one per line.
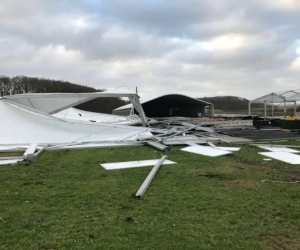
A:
280,243
221,177
246,161
248,167
244,184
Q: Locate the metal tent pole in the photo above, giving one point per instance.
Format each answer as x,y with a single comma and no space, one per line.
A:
249,108
132,111
137,105
272,109
265,108
140,193
295,108
284,108
211,111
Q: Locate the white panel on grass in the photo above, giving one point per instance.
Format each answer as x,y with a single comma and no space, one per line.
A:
133,164
216,147
204,150
7,162
283,156
279,149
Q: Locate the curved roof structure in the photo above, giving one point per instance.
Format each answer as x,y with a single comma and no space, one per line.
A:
20,125
278,97
177,99
52,103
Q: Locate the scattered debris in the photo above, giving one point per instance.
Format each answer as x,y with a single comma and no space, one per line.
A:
50,123
159,146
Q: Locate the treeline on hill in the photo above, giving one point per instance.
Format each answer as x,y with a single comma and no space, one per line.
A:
229,102
24,84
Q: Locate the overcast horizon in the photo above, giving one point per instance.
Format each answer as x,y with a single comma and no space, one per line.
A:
194,47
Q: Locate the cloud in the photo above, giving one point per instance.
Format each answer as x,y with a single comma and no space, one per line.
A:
196,47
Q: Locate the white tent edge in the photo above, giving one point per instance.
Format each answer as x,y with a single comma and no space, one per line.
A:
82,97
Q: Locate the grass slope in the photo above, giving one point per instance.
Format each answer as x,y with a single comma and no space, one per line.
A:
67,201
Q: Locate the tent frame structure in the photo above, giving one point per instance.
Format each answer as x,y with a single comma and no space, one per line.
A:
277,97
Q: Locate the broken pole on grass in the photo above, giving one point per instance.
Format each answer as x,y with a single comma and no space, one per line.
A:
30,151
142,190
35,158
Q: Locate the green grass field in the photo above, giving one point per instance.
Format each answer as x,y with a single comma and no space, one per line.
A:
68,201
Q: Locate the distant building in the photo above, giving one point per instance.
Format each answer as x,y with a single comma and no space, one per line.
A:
171,105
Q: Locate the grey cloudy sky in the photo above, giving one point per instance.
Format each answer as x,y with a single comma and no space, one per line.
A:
195,47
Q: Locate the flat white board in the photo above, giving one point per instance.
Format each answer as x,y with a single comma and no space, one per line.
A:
133,164
7,162
283,156
279,149
207,151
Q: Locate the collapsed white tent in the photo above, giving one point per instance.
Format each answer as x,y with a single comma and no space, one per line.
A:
86,116
20,125
52,103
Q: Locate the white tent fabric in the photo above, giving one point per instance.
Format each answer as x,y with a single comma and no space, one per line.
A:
48,104
295,97
86,116
51,103
23,126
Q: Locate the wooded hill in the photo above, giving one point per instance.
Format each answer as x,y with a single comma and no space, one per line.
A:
24,84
